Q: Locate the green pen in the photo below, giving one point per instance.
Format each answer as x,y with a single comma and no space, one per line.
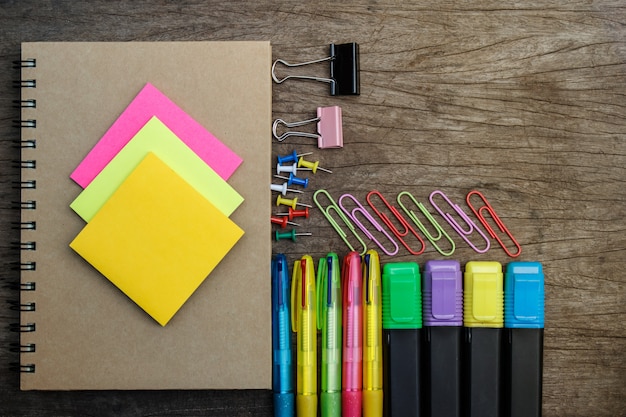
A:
329,322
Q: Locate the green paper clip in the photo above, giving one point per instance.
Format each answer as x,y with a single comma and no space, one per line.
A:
326,212
440,232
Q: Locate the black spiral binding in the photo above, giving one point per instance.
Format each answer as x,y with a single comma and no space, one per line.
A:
25,164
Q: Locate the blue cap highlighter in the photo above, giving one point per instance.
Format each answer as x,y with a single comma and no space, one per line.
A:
523,339
282,366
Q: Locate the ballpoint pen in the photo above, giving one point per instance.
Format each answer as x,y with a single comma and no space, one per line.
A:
483,320
372,337
303,323
402,338
282,380
442,298
352,370
329,322
523,339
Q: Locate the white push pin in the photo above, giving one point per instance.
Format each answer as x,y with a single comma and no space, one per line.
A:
283,188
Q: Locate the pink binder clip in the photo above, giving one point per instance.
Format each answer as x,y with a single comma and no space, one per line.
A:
329,128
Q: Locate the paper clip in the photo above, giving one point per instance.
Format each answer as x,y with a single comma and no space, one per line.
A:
479,214
398,234
344,70
326,212
471,226
329,128
440,232
352,215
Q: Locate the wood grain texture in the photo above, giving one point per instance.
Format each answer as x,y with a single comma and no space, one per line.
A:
524,101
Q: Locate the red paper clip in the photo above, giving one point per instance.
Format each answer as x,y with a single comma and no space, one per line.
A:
479,214
399,234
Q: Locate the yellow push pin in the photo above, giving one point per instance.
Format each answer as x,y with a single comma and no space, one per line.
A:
289,202
313,166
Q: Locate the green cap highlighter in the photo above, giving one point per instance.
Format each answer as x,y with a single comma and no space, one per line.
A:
402,334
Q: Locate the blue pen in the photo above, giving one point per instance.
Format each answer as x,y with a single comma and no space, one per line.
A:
282,379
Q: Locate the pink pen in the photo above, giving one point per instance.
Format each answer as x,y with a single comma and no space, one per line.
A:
352,371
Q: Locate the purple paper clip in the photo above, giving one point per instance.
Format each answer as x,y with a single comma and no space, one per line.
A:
360,209
464,233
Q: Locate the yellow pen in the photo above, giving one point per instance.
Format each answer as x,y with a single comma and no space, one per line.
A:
303,323
372,337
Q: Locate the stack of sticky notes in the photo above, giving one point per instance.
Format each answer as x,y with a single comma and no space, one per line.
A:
157,204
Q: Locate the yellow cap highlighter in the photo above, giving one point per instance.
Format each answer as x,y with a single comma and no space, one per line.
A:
483,319
303,323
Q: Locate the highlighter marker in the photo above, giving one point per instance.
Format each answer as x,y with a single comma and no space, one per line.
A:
483,320
442,298
303,322
282,379
372,337
523,339
329,322
352,357
402,335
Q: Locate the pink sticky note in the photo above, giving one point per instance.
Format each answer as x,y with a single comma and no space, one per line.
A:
151,102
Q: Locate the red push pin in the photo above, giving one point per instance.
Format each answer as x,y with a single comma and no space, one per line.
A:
295,213
282,221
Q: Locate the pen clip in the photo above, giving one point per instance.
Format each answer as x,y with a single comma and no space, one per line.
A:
481,217
280,271
322,277
471,226
304,281
294,288
367,278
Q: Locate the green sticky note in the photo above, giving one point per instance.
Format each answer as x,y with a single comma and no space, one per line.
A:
155,137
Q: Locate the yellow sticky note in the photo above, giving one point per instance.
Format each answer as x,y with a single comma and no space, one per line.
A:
156,238
157,138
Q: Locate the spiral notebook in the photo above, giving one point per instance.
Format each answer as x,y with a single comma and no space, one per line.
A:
79,331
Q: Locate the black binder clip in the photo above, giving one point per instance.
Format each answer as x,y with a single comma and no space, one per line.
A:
344,77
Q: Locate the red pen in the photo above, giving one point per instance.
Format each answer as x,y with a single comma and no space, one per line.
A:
352,371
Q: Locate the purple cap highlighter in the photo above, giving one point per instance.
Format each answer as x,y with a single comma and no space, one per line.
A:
442,295
442,310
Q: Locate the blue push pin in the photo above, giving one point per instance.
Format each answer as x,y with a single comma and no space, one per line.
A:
304,182
292,157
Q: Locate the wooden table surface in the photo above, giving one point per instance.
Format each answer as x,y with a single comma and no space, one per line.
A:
524,101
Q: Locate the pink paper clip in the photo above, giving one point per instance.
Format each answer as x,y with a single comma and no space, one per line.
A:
329,128
479,214
352,215
398,234
462,232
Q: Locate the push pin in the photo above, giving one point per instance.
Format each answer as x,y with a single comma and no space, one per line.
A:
295,213
293,168
283,188
290,202
290,235
304,182
329,128
344,70
313,166
282,221
291,157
